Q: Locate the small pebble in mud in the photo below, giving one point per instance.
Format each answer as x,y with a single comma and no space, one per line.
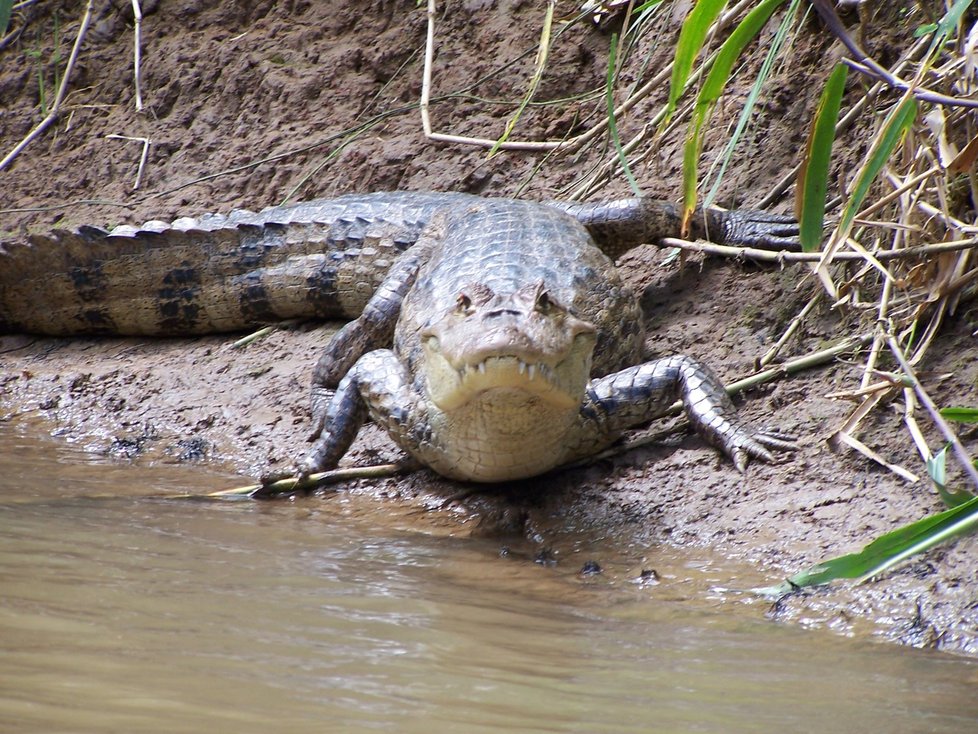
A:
545,557
128,448
590,568
648,577
192,449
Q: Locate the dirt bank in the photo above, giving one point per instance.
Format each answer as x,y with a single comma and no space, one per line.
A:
300,100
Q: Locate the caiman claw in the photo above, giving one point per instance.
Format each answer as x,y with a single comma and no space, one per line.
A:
762,230
742,446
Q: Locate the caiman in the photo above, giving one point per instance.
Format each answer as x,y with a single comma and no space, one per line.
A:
492,339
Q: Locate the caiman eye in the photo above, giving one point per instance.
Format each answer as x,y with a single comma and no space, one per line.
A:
544,303
464,303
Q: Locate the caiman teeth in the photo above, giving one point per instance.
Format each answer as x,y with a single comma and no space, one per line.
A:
532,371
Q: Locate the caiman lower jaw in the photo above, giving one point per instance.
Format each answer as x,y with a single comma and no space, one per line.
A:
561,385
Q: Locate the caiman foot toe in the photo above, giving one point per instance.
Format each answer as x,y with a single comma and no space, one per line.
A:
319,459
743,447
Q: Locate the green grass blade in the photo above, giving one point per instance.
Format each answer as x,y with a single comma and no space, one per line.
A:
777,43
813,175
713,86
960,415
690,43
5,8
896,125
543,53
949,23
612,123
887,550
937,470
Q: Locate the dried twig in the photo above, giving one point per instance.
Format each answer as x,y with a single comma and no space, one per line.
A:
137,15
293,485
752,253
796,322
142,156
960,453
55,111
867,65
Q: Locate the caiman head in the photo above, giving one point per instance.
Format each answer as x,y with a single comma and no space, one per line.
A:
522,343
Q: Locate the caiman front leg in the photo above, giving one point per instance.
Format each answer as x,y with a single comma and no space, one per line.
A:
639,394
379,384
617,226
373,329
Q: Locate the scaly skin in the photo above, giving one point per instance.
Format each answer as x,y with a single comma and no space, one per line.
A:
515,350
314,260
515,346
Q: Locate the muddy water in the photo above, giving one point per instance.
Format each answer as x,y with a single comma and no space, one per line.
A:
120,612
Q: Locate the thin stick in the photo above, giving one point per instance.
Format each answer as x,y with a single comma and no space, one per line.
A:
291,485
949,435
792,328
59,97
137,15
872,455
782,256
142,157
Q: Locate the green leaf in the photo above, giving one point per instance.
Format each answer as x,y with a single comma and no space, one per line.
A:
960,415
612,123
896,125
713,86
887,550
952,18
814,173
688,47
5,8
775,43
937,470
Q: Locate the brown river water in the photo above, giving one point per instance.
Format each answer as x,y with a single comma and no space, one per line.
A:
123,612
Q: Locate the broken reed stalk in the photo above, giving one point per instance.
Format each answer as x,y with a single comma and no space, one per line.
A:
783,256
137,15
770,355
142,156
295,484
960,453
55,110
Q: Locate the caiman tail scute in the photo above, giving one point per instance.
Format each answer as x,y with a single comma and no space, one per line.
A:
314,260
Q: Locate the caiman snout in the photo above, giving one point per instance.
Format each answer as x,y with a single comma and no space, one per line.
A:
525,340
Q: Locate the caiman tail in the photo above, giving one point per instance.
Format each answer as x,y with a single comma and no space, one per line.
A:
320,259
